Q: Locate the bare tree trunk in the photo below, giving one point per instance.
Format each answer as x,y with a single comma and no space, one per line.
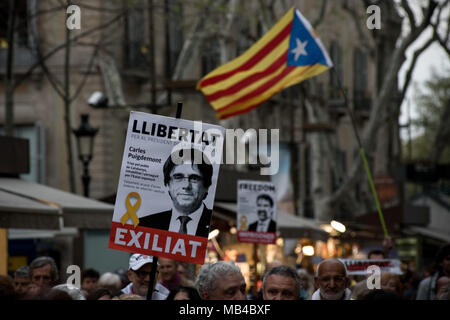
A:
189,46
152,68
320,171
385,45
224,40
9,85
112,81
67,103
442,135
381,101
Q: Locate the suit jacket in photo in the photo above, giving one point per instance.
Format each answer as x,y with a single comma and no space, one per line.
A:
272,226
161,221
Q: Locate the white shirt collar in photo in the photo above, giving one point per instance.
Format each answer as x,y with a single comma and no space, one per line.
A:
175,223
262,226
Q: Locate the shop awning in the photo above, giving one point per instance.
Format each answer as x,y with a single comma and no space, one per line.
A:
430,233
21,234
288,225
21,212
30,205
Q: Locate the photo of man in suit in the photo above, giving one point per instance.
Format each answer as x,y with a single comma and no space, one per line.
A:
188,185
265,223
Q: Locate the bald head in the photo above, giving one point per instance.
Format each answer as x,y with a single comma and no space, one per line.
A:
331,264
331,278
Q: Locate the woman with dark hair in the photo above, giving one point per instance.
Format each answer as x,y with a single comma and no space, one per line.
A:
184,293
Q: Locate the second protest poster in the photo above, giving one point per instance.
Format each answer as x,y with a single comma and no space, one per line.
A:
257,212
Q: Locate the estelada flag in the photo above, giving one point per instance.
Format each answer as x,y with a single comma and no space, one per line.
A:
287,54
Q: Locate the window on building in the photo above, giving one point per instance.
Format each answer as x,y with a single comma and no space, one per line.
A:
210,55
307,202
342,162
243,41
175,34
35,134
21,22
136,34
360,96
336,57
23,32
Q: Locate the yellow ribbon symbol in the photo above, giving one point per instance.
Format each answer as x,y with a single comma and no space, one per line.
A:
131,209
243,223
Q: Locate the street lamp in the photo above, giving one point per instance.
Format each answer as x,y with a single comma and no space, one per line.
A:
85,144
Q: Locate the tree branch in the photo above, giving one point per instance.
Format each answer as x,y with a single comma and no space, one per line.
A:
267,15
101,9
416,55
83,81
102,42
442,135
55,83
362,36
319,19
63,45
380,103
442,42
410,14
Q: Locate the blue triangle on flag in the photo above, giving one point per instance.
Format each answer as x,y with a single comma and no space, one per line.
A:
303,48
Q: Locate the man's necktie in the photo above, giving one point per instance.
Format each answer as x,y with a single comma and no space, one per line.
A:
184,221
261,227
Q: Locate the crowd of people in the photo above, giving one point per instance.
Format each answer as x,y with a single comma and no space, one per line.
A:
224,280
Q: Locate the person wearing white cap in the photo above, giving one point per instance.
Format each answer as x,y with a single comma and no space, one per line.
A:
139,275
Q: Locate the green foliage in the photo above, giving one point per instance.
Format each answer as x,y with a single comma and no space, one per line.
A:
431,102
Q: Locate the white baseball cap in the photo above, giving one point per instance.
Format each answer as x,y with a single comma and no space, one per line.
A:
138,260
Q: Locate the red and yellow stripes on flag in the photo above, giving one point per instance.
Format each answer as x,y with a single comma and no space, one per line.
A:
252,78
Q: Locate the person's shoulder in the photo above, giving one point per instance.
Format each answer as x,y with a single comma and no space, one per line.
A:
426,280
206,213
151,218
252,226
205,208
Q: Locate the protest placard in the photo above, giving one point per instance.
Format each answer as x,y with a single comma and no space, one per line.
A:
360,266
257,212
166,187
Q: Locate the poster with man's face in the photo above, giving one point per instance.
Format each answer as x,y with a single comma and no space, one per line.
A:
257,212
166,187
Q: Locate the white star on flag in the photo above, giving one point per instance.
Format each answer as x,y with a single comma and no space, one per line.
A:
300,49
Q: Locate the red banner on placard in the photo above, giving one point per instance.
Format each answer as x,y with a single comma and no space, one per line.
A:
360,267
257,237
159,243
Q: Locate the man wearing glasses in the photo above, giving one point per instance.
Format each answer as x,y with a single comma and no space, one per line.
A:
331,278
188,184
139,275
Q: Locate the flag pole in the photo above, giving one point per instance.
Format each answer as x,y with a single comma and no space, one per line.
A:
152,278
155,259
363,156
